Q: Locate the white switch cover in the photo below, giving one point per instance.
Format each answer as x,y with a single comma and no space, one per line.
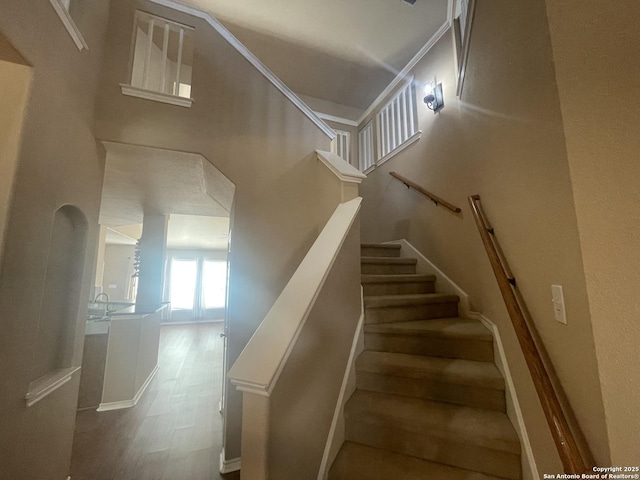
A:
113,285
557,299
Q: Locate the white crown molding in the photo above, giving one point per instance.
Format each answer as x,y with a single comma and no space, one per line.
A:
155,96
404,73
105,407
333,118
252,59
343,170
70,25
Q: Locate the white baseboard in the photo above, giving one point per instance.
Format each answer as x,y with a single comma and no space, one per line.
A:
513,408
336,436
444,283
105,407
228,466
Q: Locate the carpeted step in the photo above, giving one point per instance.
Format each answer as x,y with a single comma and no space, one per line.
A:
397,284
463,382
455,337
402,308
387,265
380,250
463,437
360,462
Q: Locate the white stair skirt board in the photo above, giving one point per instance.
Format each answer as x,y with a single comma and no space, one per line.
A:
105,407
426,266
228,466
336,436
514,412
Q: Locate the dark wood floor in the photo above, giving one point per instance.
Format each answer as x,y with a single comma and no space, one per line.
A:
175,430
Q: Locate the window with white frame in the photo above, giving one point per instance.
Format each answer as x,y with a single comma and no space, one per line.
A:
397,121
341,144
365,147
161,66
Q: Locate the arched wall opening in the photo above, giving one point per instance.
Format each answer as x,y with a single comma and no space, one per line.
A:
61,294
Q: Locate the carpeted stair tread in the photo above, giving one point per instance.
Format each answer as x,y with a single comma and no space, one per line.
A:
402,278
361,462
380,301
446,370
465,425
455,327
389,246
389,260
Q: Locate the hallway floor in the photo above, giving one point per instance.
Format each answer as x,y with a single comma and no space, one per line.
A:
175,430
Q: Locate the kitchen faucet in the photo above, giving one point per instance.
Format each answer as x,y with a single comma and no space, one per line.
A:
95,300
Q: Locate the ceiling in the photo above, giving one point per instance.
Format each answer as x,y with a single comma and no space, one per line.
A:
141,180
344,51
193,232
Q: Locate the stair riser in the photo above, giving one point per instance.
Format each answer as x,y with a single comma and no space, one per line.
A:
471,396
379,252
449,452
432,346
387,269
398,288
407,313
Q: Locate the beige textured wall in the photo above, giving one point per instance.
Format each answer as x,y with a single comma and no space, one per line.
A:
595,57
118,262
59,164
504,141
304,399
242,124
14,85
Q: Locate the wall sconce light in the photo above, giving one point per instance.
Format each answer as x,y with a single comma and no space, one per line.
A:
434,98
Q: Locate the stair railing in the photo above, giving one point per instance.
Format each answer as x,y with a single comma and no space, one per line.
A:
570,455
434,198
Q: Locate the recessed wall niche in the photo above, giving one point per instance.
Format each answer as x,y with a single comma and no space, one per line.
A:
61,294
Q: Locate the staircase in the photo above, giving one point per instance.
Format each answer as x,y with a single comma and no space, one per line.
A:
429,403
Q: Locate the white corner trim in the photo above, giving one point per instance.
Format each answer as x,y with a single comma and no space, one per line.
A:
49,383
407,143
336,435
333,118
444,283
340,167
105,407
70,25
228,466
155,96
500,359
259,365
252,59
404,73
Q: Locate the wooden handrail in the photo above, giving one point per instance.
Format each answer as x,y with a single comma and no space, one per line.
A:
434,198
571,457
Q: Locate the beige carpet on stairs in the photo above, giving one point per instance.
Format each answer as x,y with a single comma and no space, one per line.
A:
430,402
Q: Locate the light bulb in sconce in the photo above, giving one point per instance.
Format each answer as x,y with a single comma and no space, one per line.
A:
434,97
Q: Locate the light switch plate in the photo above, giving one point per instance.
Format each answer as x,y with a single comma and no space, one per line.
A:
113,285
557,300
